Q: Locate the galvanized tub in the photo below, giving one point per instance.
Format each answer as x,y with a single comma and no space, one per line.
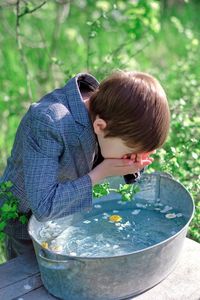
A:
123,276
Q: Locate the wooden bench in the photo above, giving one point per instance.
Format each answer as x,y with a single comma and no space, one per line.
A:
20,279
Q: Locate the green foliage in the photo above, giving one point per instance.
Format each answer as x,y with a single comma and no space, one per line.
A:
127,191
194,229
142,16
175,62
9,210
100,190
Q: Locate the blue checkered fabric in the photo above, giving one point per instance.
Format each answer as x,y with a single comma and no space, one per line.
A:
53,152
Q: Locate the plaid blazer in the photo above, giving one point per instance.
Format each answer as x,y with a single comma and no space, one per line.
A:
53,152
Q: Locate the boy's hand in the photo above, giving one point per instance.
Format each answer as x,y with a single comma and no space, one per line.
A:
139,157
118,167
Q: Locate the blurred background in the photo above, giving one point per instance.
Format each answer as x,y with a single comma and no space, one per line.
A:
44,43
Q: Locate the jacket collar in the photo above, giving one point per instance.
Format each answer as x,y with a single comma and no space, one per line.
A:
75,101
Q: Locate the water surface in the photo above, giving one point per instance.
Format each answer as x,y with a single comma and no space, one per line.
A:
142,225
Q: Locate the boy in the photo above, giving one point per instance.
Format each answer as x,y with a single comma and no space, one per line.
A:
52,164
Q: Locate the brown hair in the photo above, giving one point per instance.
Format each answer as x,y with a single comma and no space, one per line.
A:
135,108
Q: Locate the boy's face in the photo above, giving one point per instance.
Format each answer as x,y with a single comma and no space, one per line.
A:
111,147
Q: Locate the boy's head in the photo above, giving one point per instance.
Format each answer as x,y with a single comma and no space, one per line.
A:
130,113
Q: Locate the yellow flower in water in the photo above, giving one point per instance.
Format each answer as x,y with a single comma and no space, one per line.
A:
45,245
57,248
115,218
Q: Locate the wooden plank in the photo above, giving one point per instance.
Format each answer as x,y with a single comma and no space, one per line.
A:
184,282
20,288
18,269
19,276
38,294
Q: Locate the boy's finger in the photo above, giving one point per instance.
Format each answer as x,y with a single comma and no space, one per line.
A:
133,157
145,155
148,158
130,162
153,152
144,163
124,162
137,168
151,158
138,157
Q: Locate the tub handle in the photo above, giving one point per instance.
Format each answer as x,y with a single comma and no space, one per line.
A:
50,260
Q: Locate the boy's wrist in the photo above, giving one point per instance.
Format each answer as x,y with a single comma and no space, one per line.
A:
96,176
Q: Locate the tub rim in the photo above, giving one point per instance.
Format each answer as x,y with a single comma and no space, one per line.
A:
78,258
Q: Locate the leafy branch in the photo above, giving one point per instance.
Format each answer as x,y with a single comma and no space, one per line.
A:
127,191
10,208
27,10
19,15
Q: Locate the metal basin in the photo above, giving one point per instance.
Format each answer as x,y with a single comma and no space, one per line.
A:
117,276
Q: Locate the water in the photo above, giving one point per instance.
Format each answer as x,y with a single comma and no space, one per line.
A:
142,225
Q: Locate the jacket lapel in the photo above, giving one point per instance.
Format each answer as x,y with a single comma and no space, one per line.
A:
84,127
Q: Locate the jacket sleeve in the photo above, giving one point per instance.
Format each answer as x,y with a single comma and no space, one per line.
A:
49,199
